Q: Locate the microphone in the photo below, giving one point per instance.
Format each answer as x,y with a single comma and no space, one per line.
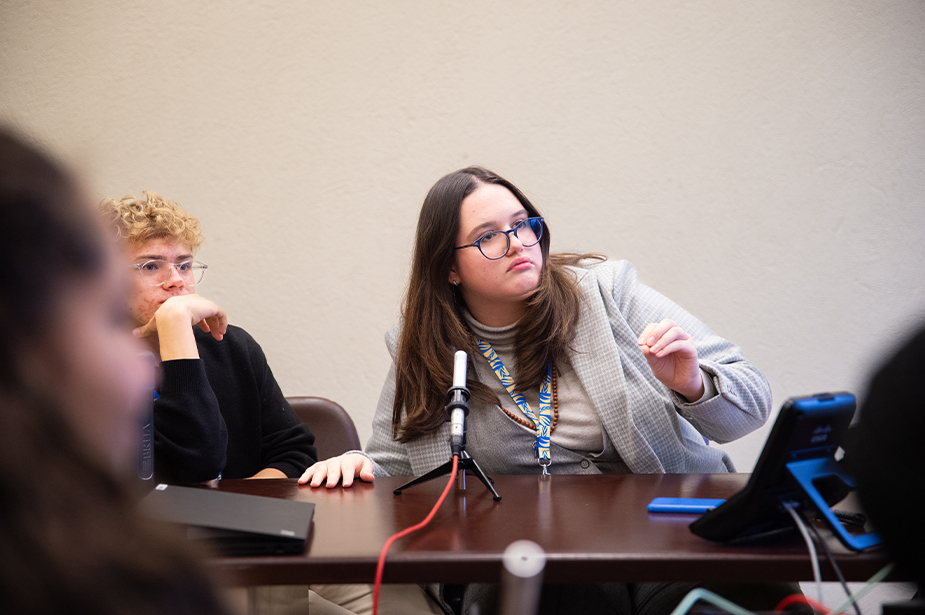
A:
458,407
458,404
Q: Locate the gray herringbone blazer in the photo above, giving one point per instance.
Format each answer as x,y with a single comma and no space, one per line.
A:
652,428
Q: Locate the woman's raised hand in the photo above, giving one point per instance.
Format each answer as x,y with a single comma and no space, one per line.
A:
339,469
672,357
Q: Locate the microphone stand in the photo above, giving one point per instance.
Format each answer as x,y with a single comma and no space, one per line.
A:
458,408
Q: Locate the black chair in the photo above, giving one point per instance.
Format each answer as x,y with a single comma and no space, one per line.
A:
334,430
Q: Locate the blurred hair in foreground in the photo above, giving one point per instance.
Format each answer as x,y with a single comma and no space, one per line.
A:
70,539
888,458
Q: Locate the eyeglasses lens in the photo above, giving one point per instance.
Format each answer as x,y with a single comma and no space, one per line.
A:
158,271
495,244
531,232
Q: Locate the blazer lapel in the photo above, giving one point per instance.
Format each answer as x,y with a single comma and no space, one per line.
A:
600,368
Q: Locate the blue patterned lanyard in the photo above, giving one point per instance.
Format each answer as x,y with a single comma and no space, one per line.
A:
543,422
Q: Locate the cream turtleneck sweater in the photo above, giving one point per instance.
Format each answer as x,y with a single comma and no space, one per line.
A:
579,427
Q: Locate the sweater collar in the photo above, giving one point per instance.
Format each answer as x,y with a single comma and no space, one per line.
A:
501,338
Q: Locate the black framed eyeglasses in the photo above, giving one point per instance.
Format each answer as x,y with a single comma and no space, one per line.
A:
157,271
495,244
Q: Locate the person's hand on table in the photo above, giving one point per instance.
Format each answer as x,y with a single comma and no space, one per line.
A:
672,357
341,469
269,473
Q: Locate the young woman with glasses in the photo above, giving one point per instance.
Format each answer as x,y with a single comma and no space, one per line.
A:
607,375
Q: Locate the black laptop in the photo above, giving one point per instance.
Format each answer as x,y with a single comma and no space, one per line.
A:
234,523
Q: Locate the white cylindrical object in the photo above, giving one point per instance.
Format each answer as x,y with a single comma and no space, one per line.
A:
522,578
459,368
457,422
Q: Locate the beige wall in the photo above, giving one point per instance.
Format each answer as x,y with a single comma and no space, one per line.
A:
761,163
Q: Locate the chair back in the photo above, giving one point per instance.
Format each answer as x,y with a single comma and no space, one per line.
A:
334,430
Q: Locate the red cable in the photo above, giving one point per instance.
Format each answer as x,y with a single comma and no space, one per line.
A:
388,543
815,605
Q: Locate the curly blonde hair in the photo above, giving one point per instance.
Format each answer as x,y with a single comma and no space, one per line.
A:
154,217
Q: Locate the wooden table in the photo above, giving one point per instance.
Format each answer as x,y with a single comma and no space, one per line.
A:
593,529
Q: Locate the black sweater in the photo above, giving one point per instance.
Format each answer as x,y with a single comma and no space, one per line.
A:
225,413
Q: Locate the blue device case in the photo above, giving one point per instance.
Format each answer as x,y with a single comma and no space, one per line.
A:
796,465
683,505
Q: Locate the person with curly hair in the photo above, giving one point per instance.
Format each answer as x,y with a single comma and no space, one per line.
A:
219,410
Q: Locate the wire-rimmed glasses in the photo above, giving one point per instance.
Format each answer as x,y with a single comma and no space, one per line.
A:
157,271
495,244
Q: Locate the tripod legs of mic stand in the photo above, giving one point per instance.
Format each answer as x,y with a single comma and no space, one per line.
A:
465,463
468,463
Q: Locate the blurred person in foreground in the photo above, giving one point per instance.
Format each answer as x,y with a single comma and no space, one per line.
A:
888,459
219,410
70,381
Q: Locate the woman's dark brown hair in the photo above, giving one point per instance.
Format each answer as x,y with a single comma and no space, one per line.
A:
433,326
70,538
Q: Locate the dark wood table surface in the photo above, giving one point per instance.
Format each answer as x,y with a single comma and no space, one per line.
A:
593,528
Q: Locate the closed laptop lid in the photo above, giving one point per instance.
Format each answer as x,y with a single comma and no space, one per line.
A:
241,524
